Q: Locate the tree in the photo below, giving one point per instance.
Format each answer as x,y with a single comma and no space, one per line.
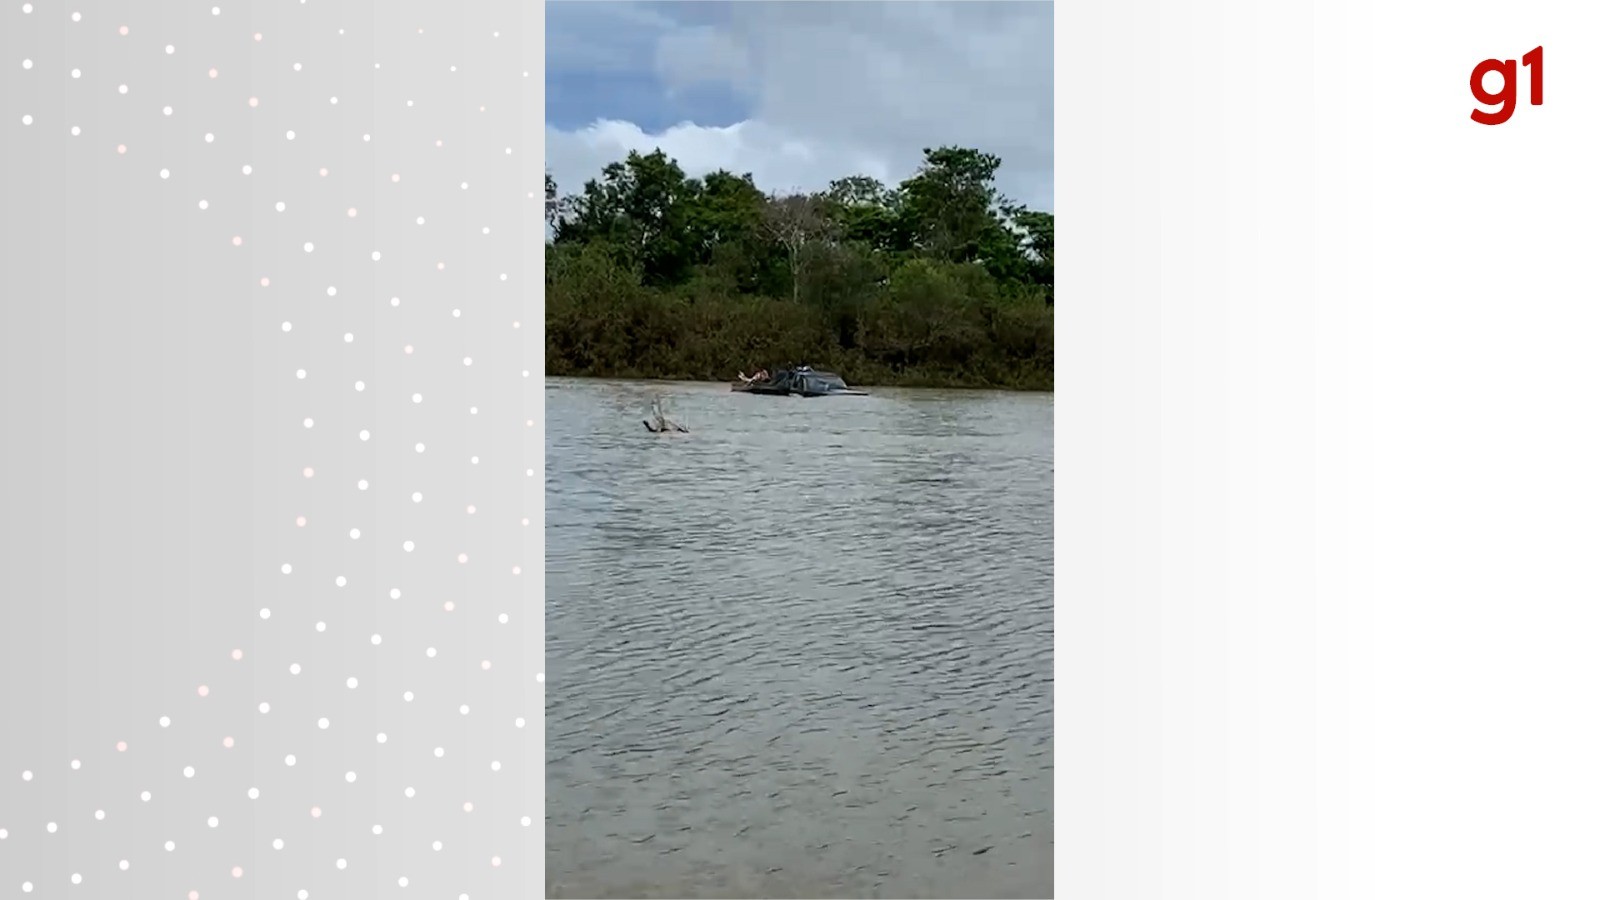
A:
792,221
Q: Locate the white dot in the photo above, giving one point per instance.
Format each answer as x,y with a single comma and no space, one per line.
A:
409,546
322,723
77,17
27,64
308,423
361,385
289,135
438,845
279,206
50,827
309,247
122,89
466,361
361,485
539,677
76,765
416,398
210,137
123,865
277,843
265,708
204,204
289,760
394,301
246,169
166,110
144,796
377,639
463,185
266,613
521,722
403,880
438,752
188,771
412,792
288,326
252,793
78,73
408,696
216,10
526,821
421,220
421,447
339,863
355,533
376,256
164,721
76,878
170,846
297,67
76,131
348,337
339,581
350,777
465,709
287,568
432,653
212,821
504,618
456,313
378,829
334,100
166,173
394,593
333,291
351,682
365,434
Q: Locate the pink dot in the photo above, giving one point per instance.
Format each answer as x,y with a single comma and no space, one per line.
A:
408,349
300,521
123,31
438,143
122,746
516,324
441,267
467,806
258,35
462,558
395,177
486,665
212,73
238,241
351,212
227,742
316,812
238,872
254,102
524,523
266,282
494,861
309,472
194,895
471,510
449,606
516,570
238,655
204,690
323,172
122,148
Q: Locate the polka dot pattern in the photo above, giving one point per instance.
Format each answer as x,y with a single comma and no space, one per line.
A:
307,690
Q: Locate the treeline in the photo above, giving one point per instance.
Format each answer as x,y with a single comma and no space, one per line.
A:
938,281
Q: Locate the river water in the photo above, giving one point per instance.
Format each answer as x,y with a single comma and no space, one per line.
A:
802,651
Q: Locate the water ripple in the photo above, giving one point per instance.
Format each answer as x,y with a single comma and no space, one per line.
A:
804,650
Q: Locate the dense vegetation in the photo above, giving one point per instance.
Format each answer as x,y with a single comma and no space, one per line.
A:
939,281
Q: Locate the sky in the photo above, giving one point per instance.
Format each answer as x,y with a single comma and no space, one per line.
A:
800,93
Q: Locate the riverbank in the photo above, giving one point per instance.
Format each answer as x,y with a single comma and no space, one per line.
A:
1031,382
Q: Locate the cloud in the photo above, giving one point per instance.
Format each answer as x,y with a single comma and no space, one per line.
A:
811,91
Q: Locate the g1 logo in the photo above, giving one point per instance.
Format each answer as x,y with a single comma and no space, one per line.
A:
1506,97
